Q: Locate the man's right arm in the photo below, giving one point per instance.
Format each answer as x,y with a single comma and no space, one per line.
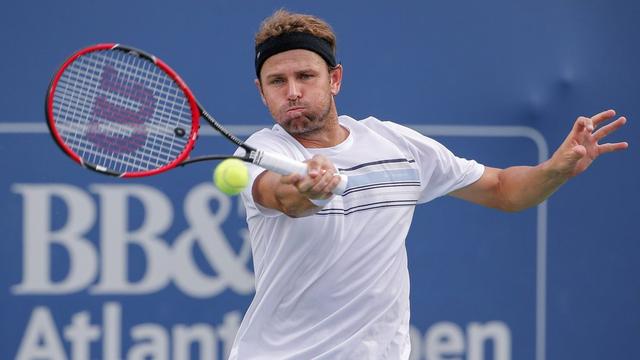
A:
292,194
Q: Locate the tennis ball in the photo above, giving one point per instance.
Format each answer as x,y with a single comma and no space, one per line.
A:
231,176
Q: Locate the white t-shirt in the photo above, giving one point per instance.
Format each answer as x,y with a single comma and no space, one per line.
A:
335,285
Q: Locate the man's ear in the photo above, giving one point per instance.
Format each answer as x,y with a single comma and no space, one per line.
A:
335,79
259,86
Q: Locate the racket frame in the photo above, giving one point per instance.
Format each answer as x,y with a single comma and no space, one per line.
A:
193,104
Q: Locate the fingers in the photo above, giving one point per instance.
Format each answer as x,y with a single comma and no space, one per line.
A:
320,181
321,184
609,128
316,165
607,148
583,123
590,123
326,184
318,185
599,118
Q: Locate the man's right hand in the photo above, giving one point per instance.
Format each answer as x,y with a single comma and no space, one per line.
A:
292,194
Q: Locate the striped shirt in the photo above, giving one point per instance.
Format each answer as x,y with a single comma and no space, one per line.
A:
335,285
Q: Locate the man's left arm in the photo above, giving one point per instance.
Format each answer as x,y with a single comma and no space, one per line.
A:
520,187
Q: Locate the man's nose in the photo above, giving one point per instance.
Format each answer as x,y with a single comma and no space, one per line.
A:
293,92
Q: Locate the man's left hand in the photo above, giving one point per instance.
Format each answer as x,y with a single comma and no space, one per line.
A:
582,147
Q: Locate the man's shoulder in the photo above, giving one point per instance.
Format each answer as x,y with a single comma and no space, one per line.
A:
384,128
346,119
370,122
399,134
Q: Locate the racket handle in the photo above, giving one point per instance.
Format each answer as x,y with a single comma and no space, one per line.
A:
285,166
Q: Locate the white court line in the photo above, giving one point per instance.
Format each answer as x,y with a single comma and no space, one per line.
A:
430,130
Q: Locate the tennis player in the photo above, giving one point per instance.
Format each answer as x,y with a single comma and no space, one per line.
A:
331,271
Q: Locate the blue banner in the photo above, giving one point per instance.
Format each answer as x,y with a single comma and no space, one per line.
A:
94,267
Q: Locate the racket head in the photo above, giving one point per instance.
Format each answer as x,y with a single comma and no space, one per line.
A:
120,111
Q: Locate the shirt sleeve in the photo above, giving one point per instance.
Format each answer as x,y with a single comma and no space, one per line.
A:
441,172
263,140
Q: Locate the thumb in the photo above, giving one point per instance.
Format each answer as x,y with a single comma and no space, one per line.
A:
577,153
565,161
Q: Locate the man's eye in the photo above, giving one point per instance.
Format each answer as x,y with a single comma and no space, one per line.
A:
276,81
306,76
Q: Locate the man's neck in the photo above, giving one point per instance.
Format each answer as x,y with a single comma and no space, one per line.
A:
330,135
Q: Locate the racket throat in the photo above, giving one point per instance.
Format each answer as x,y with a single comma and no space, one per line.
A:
277,163
255,156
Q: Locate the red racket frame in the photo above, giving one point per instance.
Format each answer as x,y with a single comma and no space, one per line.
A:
195,109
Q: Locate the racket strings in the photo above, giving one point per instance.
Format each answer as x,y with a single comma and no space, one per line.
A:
119,111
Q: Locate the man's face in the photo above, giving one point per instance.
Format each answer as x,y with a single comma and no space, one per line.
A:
298,89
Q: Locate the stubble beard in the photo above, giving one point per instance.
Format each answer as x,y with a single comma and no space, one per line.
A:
307,122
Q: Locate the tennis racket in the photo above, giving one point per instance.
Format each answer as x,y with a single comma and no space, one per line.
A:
123,112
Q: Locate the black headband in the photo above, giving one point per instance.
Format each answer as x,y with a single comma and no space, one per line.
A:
292,41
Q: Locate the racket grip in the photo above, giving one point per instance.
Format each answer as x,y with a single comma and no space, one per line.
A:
285,166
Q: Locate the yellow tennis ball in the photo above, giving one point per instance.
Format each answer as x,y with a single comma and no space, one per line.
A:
231,176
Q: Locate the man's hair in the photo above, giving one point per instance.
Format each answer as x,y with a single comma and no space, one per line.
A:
284,22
